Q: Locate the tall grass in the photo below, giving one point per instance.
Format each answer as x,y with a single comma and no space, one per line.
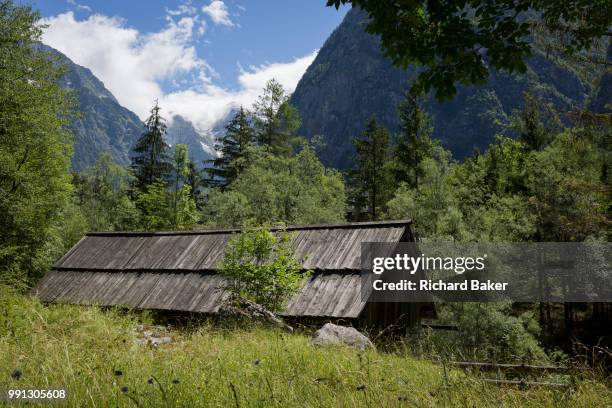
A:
94,354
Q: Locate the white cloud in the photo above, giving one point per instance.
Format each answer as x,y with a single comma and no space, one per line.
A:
130,64
206,107
133,66
183,9
79,6
217,10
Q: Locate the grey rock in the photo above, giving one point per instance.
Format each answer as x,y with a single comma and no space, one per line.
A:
155,341
332,334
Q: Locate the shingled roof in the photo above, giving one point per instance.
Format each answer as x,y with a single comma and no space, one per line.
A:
176,270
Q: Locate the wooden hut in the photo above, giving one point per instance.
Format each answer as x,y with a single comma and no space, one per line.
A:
176,271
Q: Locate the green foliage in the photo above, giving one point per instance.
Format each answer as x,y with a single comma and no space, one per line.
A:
225,209
371,180
162,209
181,194
195,181
512,193
151,161
35,146
292,190
413,143
567,193
234,149
461,42
488,332
433,207
101,193
262,267
531,130
276,120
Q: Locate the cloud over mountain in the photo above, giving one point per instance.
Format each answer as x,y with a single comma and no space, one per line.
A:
137,66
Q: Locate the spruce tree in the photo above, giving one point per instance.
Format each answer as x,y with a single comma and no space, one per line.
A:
414,142
276,120
150,161
372,182
233,148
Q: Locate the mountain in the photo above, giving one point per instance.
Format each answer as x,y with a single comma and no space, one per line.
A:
182,131
350,80
103,125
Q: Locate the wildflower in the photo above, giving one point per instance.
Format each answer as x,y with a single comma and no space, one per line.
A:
124,389
360,387
16,374
118,373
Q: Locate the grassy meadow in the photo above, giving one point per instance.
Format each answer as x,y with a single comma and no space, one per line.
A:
95,355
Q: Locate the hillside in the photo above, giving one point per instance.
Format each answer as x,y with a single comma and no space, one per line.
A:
99,359
103,125
350,80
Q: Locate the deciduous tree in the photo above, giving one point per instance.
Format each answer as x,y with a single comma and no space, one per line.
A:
35,146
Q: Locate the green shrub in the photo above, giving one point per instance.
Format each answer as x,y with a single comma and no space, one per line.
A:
262,267
487,332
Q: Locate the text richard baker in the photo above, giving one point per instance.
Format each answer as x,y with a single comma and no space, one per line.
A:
439,285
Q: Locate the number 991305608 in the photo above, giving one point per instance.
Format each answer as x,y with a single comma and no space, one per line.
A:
34,394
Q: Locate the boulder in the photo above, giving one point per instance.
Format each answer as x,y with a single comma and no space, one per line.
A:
332,334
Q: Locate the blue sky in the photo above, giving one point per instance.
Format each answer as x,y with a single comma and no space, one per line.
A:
199,57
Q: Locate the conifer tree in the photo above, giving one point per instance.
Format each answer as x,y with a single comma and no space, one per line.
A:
233,148
150,161
372,183
169,205
414,142
276,120
532,132
195,181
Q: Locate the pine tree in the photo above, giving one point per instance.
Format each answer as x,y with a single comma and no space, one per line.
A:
372,183
414,142
233,148
151,160
276,120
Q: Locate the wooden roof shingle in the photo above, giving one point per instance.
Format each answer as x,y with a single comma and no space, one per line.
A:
176,270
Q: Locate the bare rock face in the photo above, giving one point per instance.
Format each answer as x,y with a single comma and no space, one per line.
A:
335,100
239,308
332,334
